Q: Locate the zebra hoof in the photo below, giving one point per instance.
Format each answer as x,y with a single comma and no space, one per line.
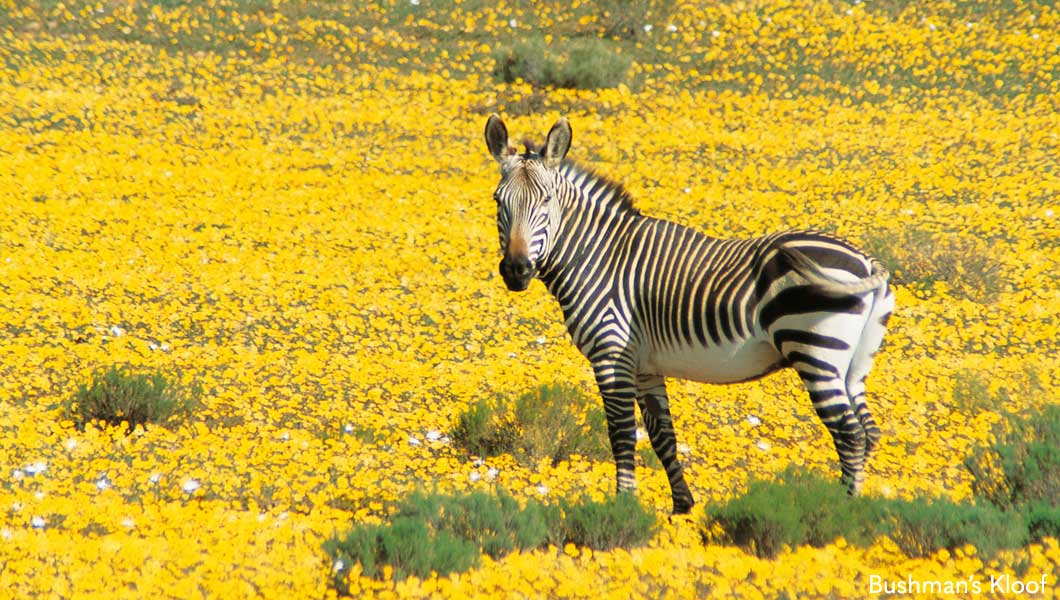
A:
682,508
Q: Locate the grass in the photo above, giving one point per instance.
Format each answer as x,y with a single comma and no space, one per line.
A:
439,534
117,396
553,421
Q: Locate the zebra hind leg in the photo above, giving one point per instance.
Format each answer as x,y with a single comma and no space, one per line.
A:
830,401
655,410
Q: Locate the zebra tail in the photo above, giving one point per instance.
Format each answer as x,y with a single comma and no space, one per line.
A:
828,284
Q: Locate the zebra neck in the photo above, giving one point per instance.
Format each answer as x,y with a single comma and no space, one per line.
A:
586,241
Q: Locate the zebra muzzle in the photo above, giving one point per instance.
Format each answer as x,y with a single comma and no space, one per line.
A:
517,272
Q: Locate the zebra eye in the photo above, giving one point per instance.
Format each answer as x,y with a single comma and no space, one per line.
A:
497,197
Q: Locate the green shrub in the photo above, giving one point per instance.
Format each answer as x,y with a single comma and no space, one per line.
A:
798,508
582,63
483,431
553,421
435,533
493,522
1043,520
922,527
1023,466
917,256
407,544
117,395
618,521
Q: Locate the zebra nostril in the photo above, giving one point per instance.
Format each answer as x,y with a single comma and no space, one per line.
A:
522,267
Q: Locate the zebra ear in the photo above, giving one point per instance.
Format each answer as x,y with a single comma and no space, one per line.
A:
557,143
497,139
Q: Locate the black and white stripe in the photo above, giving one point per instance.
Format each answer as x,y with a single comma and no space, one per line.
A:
645,298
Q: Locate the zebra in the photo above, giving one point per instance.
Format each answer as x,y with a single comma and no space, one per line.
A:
645,298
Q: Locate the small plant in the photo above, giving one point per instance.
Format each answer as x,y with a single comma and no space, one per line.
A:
494,522
619,521
965,264
117,395
1023,466
407,545
583,63
435,533
553,421
1043,520
798,508
923,527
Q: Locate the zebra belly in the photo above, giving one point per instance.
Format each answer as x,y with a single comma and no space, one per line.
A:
726,363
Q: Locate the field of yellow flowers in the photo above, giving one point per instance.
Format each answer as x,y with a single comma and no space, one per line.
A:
289,205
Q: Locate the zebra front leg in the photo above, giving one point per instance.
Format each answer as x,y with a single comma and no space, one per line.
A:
619,392
655,410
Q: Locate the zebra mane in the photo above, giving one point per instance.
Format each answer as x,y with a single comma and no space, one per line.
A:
605,188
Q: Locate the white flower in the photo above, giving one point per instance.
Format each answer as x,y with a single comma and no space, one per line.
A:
414,2
348,428
71,443
116,331
671,28
541,340
763,445
35,468
5,533
434,435
154,477
492,473
38,522
102,483
683,448
513,23
753,420
338,565
641,434
190,486
474,476
16,474
715,33
414,441
647,28
542,489
128,522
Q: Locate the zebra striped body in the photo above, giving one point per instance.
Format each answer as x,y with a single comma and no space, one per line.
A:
645,298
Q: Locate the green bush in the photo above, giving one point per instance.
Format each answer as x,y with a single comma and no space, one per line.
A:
583,63
493,522
407,544
117,395
1043,520
1023,466
619,521
435,533
923,527
798,508
918,256
543,423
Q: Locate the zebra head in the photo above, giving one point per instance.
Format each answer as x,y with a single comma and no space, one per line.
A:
527,213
